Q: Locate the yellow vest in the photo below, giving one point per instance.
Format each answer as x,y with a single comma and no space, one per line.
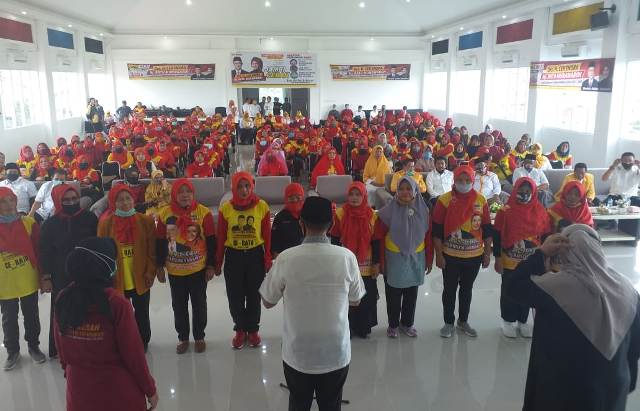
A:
244,228
468,241
18,276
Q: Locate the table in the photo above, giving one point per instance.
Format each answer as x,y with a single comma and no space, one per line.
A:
627,228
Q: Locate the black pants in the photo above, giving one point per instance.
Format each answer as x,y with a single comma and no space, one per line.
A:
10,309
141,310
327,388
401,305
510,310
243,274
458,272
365,315
192,286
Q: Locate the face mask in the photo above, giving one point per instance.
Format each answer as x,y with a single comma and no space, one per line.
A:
69,153
528,167
70,209
129,213
83,166
56,182
464,188
263,143
523,198
427,155
403,145
119,150
133,180
627,166
415,149
410,173
150,152
13,176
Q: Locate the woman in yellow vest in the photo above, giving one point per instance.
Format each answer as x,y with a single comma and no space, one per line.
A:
244,241
353,228
19,280
134,234
375,170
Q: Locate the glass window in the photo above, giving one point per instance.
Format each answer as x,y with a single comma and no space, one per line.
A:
435,90
573,110
465,92
509,95
20,97
67,96
631,110
98,87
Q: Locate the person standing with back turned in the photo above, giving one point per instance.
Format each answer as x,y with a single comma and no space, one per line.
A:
318,282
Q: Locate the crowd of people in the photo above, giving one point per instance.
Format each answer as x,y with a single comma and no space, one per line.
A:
159,231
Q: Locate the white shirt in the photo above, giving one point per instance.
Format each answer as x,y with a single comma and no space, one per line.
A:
44,196
625,182
268,108
360,114
373,113
246,108
535,174
24,190
253,110
488,185
438,184
317,281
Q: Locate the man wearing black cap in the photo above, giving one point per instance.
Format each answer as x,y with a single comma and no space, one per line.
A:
528,169
24,189
318,282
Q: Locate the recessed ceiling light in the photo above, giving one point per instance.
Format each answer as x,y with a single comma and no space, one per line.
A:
371,39
165,37
408,1
102,34
362,5
267,3
189,2
461,28
69,25
270,38
433,36
504,16
24,13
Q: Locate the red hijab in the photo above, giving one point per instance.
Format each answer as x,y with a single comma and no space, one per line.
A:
14,237
124,227
236,201
519,221
183,214
120,158
295,208
576,215
26,154
461,206
322,168
356,224
57,193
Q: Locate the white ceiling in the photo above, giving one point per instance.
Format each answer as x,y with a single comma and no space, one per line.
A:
393,17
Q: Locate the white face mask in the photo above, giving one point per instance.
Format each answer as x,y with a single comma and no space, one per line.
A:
464,188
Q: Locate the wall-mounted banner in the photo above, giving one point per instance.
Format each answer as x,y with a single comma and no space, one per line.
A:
585,75
370,71
266,69
171,71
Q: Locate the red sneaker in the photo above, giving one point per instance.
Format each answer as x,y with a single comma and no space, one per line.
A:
238,341
254,339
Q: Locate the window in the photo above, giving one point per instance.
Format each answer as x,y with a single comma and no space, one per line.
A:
573,110
508,97
66,91
20,98
98,88
631,110
465,93
435,90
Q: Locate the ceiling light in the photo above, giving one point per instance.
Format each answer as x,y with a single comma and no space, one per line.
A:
433,36
189,2
362,5
461,28
270,38
69,25
165,37
102,34
372,39
267,3
504,16
24,13
408,1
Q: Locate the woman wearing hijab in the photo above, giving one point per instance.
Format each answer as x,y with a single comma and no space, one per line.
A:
100,348
189,269
375,170
26,160
518,231
42,170
286,231
586,337
165,159
542,162
353,228
134,235
407,256
328,165
244,242
473,146
20,278
157,194
426,163
462,241
272,164
459,155
120,155
561,157
143,162
200,168
60,233
572,208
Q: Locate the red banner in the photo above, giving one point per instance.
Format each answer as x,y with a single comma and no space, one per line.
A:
585,75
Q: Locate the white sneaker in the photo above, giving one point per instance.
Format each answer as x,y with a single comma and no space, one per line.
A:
510,330
526,330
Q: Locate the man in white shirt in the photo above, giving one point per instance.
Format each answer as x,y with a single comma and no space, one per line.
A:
268,106
24,189
486,182
43,206
373,113
360,113
624,174
528,170
440,180
318,282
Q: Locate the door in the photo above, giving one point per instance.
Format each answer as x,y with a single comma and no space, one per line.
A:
299,101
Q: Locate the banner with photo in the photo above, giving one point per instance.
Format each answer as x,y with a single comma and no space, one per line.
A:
171,71
370,71
585,75
266,69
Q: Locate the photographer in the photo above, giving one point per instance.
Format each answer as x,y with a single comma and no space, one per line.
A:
94,117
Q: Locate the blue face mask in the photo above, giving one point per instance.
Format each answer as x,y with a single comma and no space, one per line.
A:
129,213
427,155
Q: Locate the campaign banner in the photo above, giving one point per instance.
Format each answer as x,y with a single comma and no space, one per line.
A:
266,69
370,71
585,75
171,71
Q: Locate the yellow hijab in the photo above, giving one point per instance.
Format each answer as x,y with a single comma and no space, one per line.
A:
536,149
376,168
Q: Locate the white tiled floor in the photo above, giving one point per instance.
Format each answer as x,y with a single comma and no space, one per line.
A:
427,373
